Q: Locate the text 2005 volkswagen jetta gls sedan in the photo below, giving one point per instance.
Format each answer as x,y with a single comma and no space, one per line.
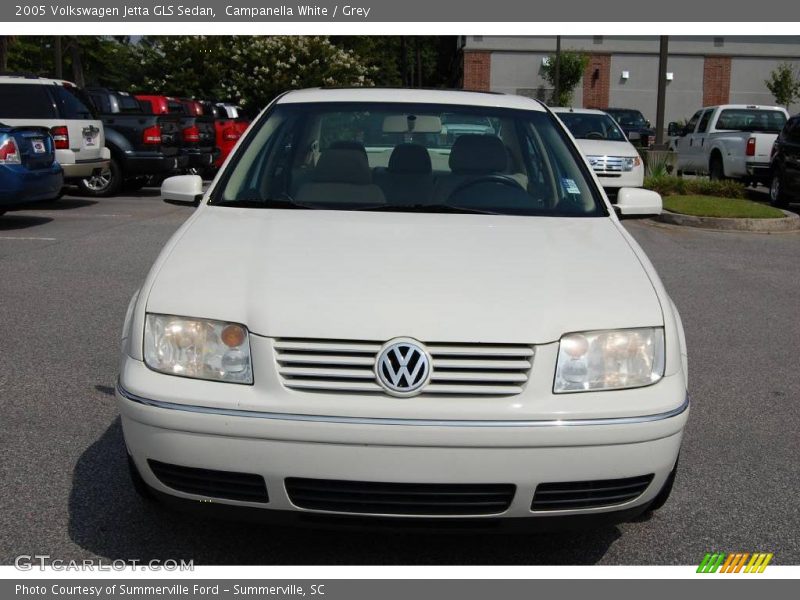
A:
369,314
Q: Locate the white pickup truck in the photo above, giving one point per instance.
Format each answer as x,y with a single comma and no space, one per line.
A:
729,141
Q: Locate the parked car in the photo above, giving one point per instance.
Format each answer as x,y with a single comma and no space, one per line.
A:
612,157
785,165
492,344
66,112
142,145
732,141
638,130
28,168
197,130
229,125
199,136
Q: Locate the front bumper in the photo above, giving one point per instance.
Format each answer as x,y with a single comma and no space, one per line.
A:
615,181
278,446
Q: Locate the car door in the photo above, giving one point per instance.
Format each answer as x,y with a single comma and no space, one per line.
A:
683,143
86,136
698,141
791,157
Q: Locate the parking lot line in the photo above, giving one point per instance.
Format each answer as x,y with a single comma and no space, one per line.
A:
12,237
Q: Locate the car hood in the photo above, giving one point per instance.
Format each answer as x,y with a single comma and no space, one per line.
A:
380,275
606,148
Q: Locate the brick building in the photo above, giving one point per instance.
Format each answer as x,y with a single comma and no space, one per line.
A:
623,70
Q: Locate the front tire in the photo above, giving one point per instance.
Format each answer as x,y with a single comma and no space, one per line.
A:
777,197
104,184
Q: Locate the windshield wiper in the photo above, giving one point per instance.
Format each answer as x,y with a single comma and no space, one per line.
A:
430,208
285,203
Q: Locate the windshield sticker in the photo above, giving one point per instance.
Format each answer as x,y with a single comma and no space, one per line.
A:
569,186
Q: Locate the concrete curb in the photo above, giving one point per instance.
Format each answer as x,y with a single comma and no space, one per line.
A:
790,223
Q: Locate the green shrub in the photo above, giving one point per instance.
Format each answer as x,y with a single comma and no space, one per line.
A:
669,185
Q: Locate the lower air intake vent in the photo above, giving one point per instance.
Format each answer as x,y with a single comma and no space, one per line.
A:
215,484
588,494
400,498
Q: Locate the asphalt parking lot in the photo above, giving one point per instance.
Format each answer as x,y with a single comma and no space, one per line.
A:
67,270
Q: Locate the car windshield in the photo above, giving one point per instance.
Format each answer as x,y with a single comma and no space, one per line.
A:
628,118
751,119
409,157
592,126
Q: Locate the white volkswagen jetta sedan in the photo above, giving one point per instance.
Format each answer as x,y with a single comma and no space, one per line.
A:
367,317
615,161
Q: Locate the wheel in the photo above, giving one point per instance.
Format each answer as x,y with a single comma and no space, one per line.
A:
777,197
662,497
106,183
139,484
716,170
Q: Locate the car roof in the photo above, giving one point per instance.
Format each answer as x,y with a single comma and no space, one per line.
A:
33,79
580,111
417,96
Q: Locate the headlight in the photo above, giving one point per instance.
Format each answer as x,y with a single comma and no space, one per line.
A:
609,360
629,162
198,348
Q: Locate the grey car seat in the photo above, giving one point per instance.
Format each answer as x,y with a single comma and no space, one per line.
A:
342,176
409,178
471,157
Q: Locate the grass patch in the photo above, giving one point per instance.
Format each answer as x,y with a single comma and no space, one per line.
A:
709,206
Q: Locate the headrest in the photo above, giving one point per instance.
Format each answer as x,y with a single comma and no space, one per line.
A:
478,153
348,145
343,166
410,158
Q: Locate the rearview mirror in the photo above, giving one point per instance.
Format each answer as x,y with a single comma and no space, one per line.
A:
182,189
637,202
412,124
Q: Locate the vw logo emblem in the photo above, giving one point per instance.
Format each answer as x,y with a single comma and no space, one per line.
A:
403,367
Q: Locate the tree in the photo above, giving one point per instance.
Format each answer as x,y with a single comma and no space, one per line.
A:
251,70
571,69
784,84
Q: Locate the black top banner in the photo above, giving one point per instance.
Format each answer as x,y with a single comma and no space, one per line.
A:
609,11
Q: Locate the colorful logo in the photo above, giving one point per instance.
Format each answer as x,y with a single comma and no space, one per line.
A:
734,562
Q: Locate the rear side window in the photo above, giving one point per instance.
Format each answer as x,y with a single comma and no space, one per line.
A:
703,127
128,104
101,102
792,131
25,101
74,103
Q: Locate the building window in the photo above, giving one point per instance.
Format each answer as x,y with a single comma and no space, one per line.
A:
598,39
719,42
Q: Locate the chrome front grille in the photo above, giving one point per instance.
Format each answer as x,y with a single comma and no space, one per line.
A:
348,366
606,165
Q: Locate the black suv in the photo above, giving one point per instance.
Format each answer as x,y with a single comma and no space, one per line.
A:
635,126
785,163
143,146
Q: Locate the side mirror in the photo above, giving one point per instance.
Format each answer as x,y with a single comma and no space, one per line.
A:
182,189
673,129
637,202
648,124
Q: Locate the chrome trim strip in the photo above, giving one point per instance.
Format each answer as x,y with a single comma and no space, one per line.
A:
233,412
